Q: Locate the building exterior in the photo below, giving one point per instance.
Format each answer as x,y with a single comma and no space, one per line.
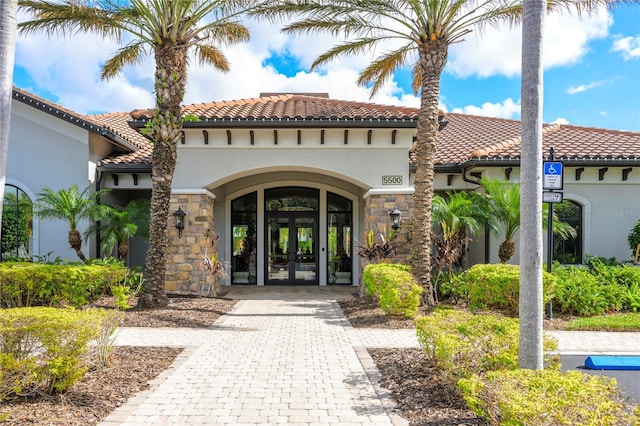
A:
283,186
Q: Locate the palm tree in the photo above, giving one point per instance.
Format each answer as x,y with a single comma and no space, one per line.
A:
168,29
530,353
500,207
8,23
117,225
454,219
425,30
70,206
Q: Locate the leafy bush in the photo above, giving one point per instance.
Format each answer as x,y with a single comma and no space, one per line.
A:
546,397
453,286
581,292
24,284
43,349
498,287
461,343
395,288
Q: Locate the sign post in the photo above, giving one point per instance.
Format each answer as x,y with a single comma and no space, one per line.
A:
553,180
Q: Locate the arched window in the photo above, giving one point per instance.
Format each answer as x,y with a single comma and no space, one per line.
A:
17,224
570,250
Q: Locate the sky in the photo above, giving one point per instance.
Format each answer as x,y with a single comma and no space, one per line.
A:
591,78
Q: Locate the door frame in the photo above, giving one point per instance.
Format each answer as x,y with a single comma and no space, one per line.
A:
291,259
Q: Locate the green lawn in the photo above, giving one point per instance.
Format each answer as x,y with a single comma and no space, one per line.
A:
613,322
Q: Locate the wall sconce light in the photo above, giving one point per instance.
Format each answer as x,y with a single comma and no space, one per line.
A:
396,217
178,217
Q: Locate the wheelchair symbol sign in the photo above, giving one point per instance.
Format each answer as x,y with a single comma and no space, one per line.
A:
553,177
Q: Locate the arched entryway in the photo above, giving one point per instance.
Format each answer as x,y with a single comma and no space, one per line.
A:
292,235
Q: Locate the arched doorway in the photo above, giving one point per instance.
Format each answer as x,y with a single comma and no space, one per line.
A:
290,234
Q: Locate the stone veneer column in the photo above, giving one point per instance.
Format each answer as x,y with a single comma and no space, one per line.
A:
377,209
184,270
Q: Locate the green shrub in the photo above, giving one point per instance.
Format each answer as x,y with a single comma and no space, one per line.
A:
24,284
498,287
580,292
453,287
43,349
546,397
461,343
395,288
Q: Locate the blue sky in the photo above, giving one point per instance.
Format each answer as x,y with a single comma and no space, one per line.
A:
592,72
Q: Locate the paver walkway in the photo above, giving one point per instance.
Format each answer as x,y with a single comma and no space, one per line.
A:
294,361
268,362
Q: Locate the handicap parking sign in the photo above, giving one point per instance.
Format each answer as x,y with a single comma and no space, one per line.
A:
552,177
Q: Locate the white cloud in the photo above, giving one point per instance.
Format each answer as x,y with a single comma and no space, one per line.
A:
497,51
507,109
584,87
560,120
629,46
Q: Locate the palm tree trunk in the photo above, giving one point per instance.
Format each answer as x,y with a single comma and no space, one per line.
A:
75,241
530,353
8,28
170,81
433,57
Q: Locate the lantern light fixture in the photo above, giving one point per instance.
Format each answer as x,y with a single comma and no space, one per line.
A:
178,217
396,218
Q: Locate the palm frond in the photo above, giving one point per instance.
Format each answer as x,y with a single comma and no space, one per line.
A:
379,71
130,54
213,56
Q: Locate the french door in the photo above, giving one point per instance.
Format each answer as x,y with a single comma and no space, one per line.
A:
291,252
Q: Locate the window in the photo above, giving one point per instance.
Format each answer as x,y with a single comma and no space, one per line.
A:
243,230
570,250
339,235
17,224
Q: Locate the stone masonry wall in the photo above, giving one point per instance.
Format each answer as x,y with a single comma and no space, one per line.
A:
377,209
185,269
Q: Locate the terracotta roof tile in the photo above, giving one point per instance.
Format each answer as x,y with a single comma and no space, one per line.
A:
301,106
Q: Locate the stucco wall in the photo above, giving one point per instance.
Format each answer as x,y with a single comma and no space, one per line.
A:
45,151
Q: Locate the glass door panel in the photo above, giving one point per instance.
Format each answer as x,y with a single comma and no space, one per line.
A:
305,232
278,249
291,248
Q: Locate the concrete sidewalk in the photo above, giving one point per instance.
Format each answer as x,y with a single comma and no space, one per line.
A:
293,361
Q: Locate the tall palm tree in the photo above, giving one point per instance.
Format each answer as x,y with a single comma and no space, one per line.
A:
117,225
8,22
425,29
167,29
530,353
70,206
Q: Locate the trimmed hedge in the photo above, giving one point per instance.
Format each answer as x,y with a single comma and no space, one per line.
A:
394,286
460,343
24,284
44,349
498,287
547,397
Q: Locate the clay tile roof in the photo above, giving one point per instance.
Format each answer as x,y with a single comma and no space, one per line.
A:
119,124
468,137
300,106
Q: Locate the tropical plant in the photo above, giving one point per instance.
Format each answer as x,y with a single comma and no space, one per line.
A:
634,238
8,23
117,225
500,204
168,30
454,219
423,30
70,206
